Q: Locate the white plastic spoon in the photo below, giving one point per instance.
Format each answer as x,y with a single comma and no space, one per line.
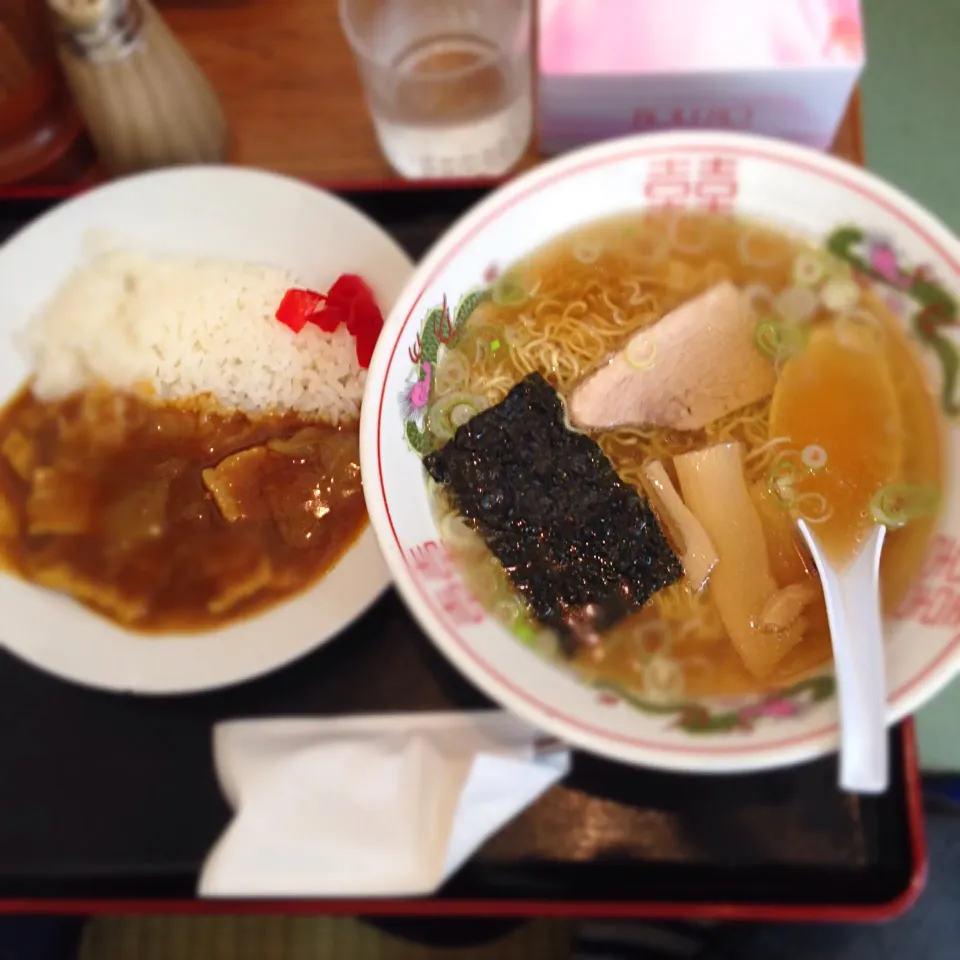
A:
852,595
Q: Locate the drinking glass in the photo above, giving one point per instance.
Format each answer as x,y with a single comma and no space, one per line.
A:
447,82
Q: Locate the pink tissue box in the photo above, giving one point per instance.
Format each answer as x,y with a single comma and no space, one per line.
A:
785,68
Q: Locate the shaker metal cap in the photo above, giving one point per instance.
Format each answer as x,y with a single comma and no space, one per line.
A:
98,30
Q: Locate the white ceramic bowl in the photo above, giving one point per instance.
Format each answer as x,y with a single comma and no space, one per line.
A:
805,192
219,212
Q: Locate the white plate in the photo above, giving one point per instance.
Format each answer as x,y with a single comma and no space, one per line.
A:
197,211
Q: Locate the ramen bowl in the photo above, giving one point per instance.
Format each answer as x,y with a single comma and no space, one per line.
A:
895,251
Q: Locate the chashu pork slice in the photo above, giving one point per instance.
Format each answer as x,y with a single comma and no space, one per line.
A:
695,365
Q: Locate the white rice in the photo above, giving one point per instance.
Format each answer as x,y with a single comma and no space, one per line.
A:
185,328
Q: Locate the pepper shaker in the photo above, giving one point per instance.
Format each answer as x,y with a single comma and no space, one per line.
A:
145,101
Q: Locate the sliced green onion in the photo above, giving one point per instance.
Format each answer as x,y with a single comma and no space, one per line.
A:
510,610
641,353
451,411
462,412
687,246
814,456
747,252
483,340
650,640
587,251
797,304
793,339
766,338
663,680
760,297
813,507
840,294
897,504
508,292
648,248
787,466
524,633
808,268
486,334
779,341
784,492
780,481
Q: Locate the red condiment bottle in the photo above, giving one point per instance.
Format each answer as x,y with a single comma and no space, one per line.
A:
42,138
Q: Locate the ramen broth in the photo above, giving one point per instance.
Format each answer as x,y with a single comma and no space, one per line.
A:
564,310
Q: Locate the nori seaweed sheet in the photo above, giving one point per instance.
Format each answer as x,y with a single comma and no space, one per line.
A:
578,543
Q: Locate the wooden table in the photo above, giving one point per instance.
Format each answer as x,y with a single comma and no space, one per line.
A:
291,90
132,806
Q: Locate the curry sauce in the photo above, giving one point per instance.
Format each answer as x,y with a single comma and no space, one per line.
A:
172,518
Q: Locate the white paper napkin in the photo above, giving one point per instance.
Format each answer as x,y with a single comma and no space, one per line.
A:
370,806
